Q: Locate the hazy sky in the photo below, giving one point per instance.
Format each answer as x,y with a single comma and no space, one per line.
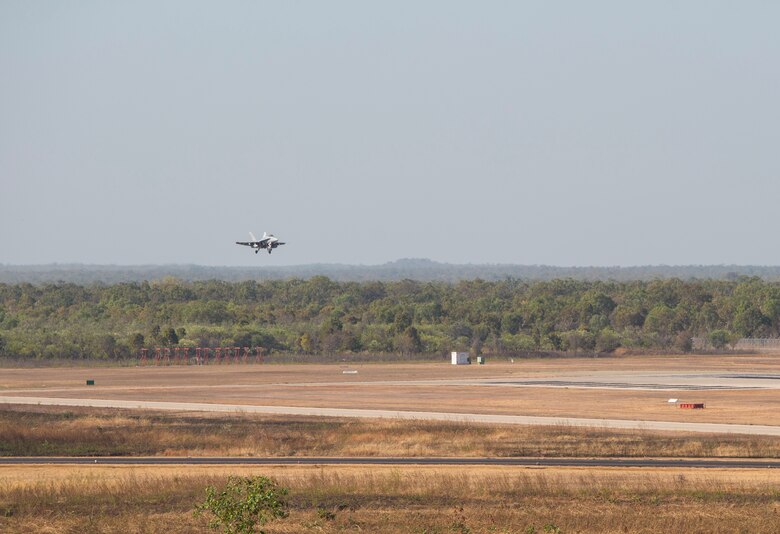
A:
564,133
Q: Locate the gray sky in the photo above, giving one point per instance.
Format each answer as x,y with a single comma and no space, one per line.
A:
564,133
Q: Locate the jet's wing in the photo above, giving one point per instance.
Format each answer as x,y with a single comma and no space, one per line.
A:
245,243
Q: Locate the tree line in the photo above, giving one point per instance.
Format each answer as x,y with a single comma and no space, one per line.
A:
322,316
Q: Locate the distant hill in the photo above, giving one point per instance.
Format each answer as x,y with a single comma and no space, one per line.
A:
413,269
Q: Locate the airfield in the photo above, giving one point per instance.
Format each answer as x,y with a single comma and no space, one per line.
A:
391,473
739,392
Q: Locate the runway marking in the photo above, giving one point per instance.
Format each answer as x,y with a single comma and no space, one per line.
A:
624,424
615,385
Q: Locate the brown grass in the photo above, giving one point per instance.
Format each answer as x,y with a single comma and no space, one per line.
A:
53,431
385,499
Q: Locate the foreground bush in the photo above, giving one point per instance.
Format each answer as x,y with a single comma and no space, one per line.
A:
244,504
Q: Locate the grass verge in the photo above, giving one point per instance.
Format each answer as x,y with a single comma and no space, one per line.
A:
53,431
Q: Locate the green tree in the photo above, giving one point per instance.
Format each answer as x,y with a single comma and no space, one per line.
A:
171,337
580,340
628,315
660,320
511,323
748,320
107,346
595,303
137,341
683,341
334,322
305,343
555,341
607,340
719,338
402,321
244,504
155,334
409,341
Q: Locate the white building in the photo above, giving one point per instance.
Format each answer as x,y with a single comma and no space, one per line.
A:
460,358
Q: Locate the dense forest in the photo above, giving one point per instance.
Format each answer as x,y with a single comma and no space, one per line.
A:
321,316
407,269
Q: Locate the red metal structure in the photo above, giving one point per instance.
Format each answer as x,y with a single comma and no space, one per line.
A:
181,355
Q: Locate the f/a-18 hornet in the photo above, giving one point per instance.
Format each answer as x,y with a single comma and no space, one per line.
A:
268,242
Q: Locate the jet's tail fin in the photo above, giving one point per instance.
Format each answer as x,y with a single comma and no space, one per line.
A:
252,236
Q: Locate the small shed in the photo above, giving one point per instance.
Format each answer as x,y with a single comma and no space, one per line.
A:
460,358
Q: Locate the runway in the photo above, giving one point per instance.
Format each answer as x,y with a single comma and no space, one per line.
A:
385,461
624,424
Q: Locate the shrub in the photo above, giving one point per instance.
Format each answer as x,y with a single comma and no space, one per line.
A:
244,504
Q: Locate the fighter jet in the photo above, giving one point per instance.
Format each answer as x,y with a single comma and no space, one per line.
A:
268,242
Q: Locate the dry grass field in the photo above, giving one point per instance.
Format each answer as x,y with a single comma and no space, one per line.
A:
379,499
65,431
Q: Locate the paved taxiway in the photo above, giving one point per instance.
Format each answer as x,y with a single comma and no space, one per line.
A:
660,381
627,424
625,380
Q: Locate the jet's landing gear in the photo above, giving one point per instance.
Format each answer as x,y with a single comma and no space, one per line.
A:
269,250
257,250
